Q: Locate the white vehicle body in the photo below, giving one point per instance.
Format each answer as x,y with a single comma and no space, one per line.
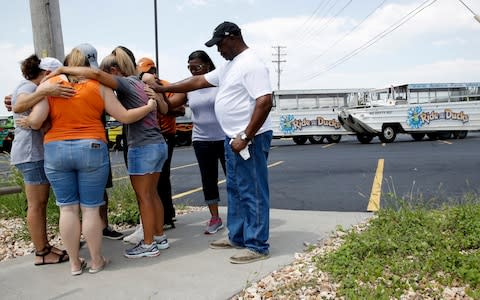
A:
438,110
311,114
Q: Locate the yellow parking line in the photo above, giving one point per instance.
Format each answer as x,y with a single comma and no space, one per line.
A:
177,196
329,145
445,142
374,202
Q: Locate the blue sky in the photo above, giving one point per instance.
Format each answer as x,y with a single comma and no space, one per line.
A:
328,43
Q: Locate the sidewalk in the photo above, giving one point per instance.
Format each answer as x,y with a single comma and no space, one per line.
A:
188,270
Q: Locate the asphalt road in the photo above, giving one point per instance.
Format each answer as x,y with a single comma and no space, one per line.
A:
340,177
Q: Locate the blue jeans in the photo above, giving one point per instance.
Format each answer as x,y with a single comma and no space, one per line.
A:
146,159
208,154
248,216
78,171
33,172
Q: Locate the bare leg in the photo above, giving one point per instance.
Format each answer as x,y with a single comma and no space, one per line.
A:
37,198
213,210
151,211
92,226
70,232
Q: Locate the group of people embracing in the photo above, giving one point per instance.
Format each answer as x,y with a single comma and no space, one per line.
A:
60,141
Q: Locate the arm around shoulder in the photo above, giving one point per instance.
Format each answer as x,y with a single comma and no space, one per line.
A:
114,108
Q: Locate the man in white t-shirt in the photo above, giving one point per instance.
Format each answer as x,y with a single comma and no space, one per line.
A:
242,106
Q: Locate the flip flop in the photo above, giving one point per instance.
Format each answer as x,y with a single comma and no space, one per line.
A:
83,265
99,269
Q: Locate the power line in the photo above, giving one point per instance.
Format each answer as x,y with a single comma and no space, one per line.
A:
330,20
278,61
375,39
349,32
306,35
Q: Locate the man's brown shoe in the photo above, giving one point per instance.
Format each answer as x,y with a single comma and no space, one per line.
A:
223,244
247,256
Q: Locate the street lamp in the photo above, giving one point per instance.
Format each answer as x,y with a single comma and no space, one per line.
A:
475,16
156,34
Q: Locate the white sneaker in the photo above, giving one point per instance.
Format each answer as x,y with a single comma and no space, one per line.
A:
136,236
162,242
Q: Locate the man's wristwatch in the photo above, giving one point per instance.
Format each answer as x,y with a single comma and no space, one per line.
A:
244,137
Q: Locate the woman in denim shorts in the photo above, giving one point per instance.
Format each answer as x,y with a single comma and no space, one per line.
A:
27,156
76,157
147,150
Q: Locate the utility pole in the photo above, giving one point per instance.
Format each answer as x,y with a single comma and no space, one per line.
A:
278,61
47,28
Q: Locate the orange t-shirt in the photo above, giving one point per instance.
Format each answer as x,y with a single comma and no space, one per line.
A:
79,117
168,124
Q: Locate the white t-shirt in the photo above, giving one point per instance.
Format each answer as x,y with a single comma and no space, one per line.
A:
240,82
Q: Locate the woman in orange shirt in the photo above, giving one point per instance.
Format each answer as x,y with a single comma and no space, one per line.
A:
76,157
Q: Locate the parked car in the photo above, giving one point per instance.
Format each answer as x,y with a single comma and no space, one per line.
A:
115,134
6,133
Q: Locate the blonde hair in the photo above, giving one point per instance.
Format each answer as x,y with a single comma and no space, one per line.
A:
76,59
121,60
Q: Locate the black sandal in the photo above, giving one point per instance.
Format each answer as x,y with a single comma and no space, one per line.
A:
46,251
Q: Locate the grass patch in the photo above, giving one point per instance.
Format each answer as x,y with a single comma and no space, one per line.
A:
410,248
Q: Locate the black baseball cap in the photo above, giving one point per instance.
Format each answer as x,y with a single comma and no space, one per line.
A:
221,31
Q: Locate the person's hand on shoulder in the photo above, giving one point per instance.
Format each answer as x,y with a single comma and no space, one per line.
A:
153,104
148,78
56,90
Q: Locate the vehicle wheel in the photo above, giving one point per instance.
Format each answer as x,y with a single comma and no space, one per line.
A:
315,139
460,134
444,135
364,138
300,140
334,138
388,134
418,136
183,140
432,136
7,145
119,143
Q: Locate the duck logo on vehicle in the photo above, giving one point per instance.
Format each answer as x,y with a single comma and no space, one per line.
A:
417,117
413,119
288,123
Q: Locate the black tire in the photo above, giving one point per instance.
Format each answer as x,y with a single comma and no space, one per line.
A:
388,134
460,134
432,136
364,138
300,140
315,139
418,136
183,139
119,143
444,135
7,145
334,138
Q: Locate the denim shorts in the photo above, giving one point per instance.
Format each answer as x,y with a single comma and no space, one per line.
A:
33,172
78,171
146,159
